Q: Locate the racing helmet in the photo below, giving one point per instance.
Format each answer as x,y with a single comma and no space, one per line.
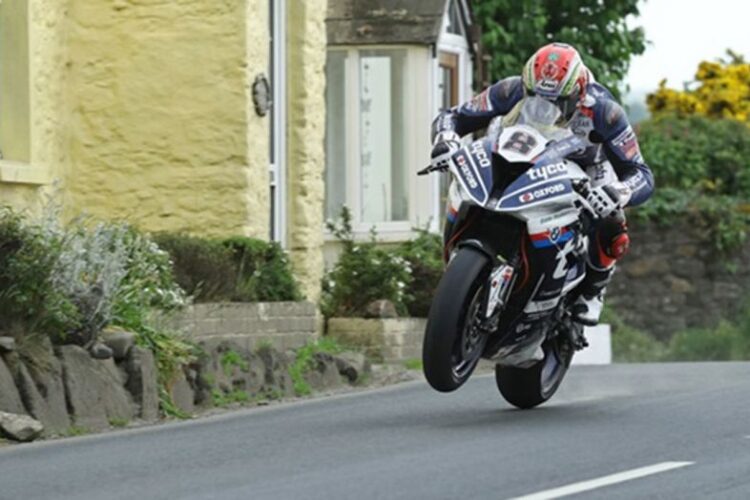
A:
557,73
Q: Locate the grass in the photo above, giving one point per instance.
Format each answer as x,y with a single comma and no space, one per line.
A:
118,422
222,399
232,358
76,430
305,362
413,364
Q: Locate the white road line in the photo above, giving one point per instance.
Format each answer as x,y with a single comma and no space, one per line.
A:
593,484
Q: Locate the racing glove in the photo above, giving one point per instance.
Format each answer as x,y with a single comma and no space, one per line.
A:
444,145
605,200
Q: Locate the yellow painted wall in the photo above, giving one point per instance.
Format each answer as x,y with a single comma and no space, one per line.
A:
143,111
160,129
306,153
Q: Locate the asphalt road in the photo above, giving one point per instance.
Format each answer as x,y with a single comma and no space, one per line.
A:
616,432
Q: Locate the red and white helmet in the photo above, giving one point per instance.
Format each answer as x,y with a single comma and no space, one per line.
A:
557,73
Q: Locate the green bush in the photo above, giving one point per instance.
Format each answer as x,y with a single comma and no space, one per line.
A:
203,267
424,256
723,220
70,282
263,270
630,345
364,273
29,301
719,344
702,171
701,153
237,269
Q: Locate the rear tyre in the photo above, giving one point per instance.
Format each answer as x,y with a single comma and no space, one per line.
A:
453,342
529,387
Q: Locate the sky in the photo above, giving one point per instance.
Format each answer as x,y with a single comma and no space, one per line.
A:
683,33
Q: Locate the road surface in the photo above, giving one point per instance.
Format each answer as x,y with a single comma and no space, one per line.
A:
615,432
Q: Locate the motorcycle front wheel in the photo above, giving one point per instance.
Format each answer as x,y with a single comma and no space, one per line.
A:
529,387
453,341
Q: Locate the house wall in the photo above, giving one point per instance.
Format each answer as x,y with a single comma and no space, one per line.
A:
143,111
306,152
160,126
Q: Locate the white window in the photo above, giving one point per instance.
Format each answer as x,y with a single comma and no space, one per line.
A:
14,81
373,132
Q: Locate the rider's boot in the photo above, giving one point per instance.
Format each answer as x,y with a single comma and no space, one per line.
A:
588,307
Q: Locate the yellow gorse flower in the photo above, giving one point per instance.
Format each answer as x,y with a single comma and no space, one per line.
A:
723,91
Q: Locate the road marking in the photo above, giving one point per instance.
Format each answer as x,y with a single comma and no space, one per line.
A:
593,484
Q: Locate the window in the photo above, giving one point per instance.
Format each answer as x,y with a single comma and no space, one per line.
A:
368,127
455,26
335,133
14,81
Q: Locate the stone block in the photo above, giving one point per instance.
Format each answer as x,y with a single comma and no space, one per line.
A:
120,341
94,389
277,379
42,391
182,393
352,365
10,399
207,327
7,344
324,374
20,427
142,382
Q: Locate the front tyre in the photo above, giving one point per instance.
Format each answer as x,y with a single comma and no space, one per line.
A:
453,341
529,387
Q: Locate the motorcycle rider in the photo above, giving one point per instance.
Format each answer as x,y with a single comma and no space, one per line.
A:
619,176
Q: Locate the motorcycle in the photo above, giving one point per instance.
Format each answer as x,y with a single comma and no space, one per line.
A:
516,253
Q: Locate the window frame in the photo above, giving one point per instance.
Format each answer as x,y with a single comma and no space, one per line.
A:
386,230
26,171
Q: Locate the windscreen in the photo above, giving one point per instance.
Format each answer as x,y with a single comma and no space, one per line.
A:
538,113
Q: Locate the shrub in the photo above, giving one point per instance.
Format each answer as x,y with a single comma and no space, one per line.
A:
71,282
364,273
202,267
424,256
237,269
705,155
263,270
719,344
30,301
630,345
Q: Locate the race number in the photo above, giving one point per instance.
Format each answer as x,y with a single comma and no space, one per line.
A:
520,142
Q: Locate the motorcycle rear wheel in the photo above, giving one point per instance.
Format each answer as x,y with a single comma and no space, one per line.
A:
453,343
529,387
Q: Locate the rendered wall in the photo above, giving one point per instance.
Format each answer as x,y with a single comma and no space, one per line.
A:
161,133
306,129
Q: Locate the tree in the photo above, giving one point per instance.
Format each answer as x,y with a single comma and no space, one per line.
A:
512,30
722,91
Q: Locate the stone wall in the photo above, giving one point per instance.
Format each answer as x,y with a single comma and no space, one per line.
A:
389,339
65,387
672,279
283,325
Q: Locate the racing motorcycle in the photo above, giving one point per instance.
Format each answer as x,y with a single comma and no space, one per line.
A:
516,253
